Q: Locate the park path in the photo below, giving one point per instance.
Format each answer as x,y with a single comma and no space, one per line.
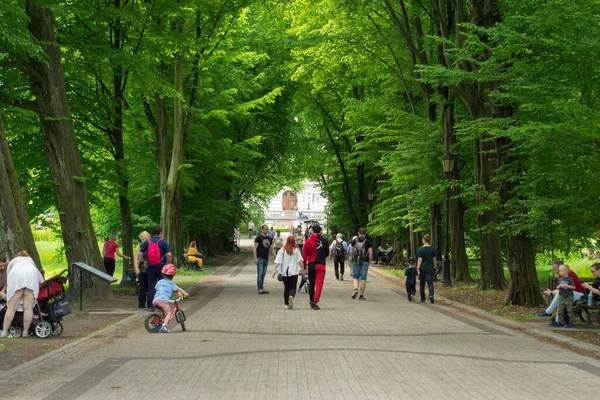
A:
241,345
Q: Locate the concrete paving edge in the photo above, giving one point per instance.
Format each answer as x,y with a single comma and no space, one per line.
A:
80,342
576,345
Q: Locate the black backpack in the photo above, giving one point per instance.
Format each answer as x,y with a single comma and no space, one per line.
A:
338,250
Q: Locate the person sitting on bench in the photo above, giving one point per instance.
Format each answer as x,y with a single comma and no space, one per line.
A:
383,252
193,255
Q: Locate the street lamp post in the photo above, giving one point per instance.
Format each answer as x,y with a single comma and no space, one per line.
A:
448,163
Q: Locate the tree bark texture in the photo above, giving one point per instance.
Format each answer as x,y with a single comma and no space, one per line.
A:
60,146
459,260
15,230
492,272
435,226
524,287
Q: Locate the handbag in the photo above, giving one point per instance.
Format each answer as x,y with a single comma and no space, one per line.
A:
61,308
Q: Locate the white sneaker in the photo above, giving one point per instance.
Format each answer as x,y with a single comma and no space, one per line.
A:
286,307
291,302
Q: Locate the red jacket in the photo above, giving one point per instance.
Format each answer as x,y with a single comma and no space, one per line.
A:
316,250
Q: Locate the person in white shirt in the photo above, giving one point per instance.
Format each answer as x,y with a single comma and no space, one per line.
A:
289,263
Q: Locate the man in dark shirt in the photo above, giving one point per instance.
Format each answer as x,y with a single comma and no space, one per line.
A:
594,288
263,244
361,253
315,252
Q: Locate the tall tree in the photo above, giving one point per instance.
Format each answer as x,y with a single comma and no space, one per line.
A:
60,143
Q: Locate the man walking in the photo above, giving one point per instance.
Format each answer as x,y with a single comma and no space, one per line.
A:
263,244
361,253
337,253
157,253
250,229
316,250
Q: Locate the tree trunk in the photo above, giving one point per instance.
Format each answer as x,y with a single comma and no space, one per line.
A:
486,163
60,145
435,226
459,260
15,231
524,285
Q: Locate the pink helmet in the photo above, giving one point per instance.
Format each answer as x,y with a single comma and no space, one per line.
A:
169,269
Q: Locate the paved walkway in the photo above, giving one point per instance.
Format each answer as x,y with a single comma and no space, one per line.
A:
240,345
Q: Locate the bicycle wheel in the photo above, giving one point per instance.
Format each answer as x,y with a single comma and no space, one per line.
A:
180,316
153,323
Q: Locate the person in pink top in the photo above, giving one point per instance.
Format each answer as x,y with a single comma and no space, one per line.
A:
109,250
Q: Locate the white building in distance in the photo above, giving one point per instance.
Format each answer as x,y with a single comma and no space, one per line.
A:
289,207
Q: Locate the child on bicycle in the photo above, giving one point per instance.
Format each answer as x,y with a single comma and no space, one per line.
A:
164,289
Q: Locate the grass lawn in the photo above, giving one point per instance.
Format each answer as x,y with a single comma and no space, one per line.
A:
54,263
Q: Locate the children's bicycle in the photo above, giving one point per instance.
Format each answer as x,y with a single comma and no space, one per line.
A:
154,321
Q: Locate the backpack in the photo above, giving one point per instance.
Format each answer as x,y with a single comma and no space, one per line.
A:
338,250
154,252
358,255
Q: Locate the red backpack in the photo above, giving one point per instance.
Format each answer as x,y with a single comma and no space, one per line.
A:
154,252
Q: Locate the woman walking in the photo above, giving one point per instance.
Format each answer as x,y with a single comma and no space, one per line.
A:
425,267
108,251
289,262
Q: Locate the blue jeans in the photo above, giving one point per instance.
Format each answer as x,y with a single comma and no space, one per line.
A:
360,271
261,271
554,304
426,276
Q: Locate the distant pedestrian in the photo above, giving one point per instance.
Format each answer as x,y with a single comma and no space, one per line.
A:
277,241
250,229
272,233
292,229
425,267
263,245
300,239
338,251
157,252
410,279
109,250
289,262
316,250
141,270
361,251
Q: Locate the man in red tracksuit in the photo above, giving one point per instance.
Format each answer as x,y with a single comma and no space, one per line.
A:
315,253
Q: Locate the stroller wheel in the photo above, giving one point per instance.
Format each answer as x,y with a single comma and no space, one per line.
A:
43,329
57,328
15,331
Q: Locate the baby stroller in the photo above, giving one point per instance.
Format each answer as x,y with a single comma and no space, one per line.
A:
48,311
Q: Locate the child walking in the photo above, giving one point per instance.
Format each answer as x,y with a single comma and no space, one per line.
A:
565,287
410,278
164,290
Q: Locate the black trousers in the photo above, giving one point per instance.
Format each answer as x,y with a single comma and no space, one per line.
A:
109,264
289,287
143,295
312,277
338,265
